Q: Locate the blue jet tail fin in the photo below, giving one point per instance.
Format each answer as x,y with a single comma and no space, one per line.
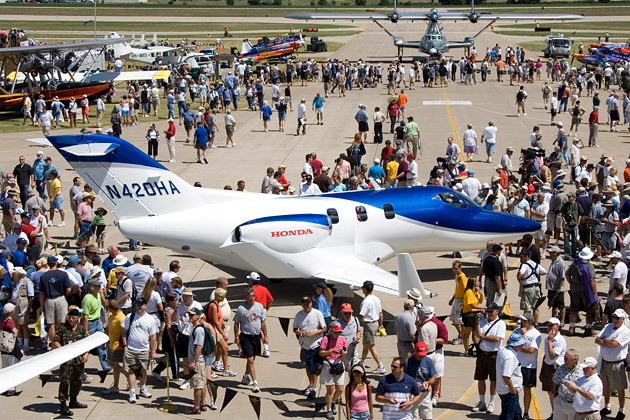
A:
128,181
234,51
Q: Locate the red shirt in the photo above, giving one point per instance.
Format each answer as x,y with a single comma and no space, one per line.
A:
442,331
386,152
171,130
593,118
28,229
317,167
262,295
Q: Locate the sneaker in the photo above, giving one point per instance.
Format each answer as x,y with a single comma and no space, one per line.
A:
214,375
379,370
256,387
524,115
525,417
312,395
490,408
228,372
435,401
111,390
247,380
330,415
205,160
132,396
307,390
620,416
198,160
213,406
185,385
86,379
61,224
144,393
233,144
266,353
217,366
605,411
333,408
478,408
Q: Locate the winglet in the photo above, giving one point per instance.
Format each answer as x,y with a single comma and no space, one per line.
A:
408,277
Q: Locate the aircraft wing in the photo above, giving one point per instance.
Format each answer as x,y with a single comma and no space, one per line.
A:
73,46
355,16
526,16
16,374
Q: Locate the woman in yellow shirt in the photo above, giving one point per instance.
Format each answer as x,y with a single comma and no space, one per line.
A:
471,308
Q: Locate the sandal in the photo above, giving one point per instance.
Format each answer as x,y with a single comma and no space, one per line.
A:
204,408
193,410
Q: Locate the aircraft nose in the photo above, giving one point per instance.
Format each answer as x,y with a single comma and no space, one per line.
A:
496,222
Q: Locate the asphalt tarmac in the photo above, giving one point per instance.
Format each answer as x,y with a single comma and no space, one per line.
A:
280,376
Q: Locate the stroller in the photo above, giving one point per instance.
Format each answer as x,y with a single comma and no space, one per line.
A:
433,175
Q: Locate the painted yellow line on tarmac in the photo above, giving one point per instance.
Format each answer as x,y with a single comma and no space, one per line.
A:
450,116
460,401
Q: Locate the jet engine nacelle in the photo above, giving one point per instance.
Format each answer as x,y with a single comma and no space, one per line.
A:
287,234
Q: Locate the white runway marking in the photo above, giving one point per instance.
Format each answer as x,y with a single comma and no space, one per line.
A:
446,103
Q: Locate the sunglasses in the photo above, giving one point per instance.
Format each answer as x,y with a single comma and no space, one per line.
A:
395,367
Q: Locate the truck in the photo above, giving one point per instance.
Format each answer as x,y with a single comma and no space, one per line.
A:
317,45
557,46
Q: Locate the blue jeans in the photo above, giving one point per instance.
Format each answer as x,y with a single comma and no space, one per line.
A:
563,104
40,186
85,229
182,108
235,101
510,407
133,244
171,110
94,326
24,194
392,120
570,241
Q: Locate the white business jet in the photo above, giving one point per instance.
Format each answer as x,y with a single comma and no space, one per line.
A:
337,237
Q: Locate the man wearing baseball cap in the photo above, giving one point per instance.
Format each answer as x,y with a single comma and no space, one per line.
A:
619,273
263,296
613,341
555,279
510,377
421,368
139,332
309,326
588,391
351,330
405,326
528,358
555,346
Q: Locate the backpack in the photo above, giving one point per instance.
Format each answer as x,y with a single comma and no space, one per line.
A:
520,95
136,104
576,111
546,90
208,341
282,107
134,291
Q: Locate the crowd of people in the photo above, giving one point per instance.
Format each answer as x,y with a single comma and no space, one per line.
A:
150,314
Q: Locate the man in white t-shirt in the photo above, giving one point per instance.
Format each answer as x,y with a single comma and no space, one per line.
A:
555,345
528,357
309,326
510,377
491,332
371,316
45,120
613,341
139,331
489,134
619,273
529,277
588,390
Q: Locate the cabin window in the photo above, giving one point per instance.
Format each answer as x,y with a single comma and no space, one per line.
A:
361,213
389,211
334,216
452,199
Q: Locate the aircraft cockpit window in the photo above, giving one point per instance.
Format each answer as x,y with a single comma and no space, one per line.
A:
389,211
334,216
452,199
361,213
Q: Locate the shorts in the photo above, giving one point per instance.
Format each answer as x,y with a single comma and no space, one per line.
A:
438,362
229,130
57,202
614,115
486,366
115,355
402,109
55,310
209,359
553,112
579,301
188,125
319,110
250,345
588,416
181,344
555,299
20,319
613,374
529,298
133,112
327,378
529,377
363,127
490,147
546,376
469,149
424,408
456,312
282,116
405,349
540,234
370,331
311,360
124,112
133,358
360,416
469,319
198,380
576,120
266,118
155,102
201,146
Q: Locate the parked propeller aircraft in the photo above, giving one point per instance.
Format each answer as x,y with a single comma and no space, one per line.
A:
433,41
337,237
148,55
266,48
